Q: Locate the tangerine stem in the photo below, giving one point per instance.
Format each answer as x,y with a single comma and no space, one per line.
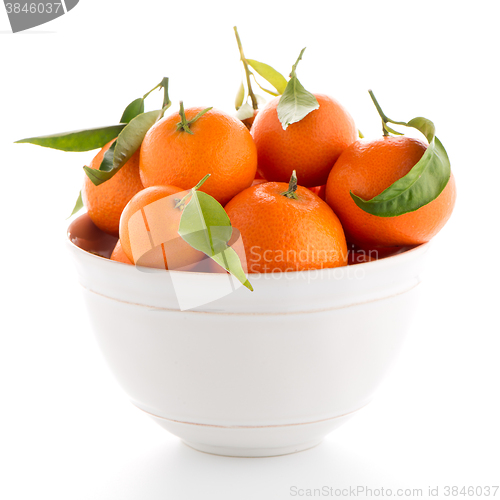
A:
384,117
166,98
163,84
180,204
184,124
292,187
198,186
255,104
294,67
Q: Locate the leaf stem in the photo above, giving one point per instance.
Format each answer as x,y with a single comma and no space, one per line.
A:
255,104
182,202
166,98
292,187
159,86
384,117
294,67
184,124
198,186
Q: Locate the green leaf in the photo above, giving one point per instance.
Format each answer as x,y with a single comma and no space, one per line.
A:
229,260
97,176
275,94
206,227
78,205
127,143
246,111
79,140
261,101
296,102
421,185
240,97
423,125
276,79
130,138
205,224
132,110
108,159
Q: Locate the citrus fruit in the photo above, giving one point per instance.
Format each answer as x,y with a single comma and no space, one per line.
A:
119,255
216,143
249,121
319,190
209,266
286,227
310,146
358,255
258,181
149,230
369,167
106,202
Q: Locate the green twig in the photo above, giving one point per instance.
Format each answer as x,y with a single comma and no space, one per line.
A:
255,104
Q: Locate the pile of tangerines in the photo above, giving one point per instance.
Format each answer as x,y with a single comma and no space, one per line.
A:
288,222
289,176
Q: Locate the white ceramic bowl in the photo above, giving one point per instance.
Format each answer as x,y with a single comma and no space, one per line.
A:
258,373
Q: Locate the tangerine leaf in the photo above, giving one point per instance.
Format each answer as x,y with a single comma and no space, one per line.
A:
276,79
206,227
423,125
105,171
97,176
261,101
230,261
240,97
275,94
78,140
132,110
78,205
296,102
127,143
108,159
246,111
130,138
421,185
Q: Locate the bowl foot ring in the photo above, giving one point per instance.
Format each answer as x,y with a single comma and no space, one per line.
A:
227,451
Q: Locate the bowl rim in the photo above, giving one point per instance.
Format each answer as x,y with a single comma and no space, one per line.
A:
384,262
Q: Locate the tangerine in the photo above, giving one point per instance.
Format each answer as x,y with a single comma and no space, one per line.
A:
249,121
149,230
319,190
286,227
182,148
119,255
369,167
310,146
105,203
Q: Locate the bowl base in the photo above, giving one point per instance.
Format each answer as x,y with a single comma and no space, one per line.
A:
227,451
251,441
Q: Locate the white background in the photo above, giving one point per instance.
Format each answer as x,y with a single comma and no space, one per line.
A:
67,431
